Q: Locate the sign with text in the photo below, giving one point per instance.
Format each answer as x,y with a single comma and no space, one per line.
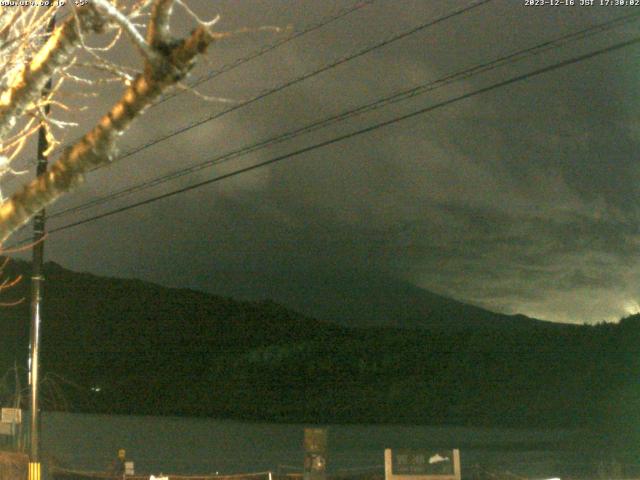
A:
422,464
11,415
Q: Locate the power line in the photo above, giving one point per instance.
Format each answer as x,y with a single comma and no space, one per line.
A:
391,39
306,76
336,63
362,131
241,61
258,53
403,95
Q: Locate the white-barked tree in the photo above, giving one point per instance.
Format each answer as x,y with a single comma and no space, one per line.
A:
31,54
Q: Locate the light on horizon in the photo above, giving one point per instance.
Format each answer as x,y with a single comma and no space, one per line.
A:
631,307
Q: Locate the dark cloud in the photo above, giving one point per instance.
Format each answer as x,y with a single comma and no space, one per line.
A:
522,200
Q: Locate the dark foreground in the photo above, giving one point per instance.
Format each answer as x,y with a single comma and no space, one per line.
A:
470,473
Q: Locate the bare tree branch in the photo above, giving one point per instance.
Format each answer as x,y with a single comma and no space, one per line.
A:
27,84
96,148
158,32
120,19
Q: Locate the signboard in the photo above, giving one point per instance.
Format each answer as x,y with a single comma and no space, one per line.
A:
6,429
128,468
422,464
11,415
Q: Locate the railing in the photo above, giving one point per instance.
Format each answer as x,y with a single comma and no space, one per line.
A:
470,472
57,473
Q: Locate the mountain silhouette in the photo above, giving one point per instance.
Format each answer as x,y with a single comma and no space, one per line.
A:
364,299
379,351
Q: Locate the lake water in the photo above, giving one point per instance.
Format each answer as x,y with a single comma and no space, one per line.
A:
204,446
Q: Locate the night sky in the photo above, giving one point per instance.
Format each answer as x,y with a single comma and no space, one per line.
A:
523,199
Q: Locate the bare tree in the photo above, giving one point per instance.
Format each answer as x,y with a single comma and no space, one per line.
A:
28,59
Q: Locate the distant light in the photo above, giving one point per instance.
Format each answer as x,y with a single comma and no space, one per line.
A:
631,307
96,389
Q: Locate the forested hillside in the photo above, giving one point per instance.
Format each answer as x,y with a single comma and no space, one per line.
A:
125,346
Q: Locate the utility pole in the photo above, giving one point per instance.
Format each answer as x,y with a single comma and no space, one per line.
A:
37,280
